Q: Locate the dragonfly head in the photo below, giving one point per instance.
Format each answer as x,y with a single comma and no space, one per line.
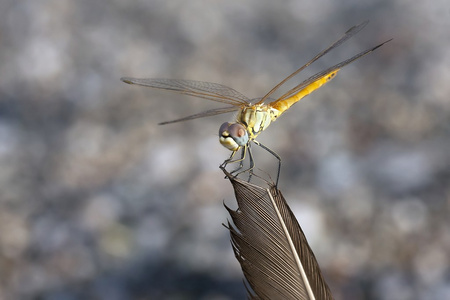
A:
233,136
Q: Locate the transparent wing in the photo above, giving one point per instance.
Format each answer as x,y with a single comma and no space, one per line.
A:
327,71
351,32
206,90
208,113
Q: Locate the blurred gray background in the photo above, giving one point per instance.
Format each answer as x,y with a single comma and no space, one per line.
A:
99,202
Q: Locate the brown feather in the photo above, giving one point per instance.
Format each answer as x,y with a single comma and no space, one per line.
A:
271,247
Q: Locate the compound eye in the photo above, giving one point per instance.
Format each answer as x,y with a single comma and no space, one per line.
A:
238,133
224,129
236,130
233,136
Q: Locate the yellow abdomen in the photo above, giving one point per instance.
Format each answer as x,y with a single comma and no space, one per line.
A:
258,117
284,104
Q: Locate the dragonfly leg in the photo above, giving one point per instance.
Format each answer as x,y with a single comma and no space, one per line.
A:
227,161
250,168
274,154
252,163
240,160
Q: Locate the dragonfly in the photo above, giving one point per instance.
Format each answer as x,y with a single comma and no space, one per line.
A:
253,115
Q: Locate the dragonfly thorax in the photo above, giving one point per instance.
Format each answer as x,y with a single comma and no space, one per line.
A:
257,118
250,122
